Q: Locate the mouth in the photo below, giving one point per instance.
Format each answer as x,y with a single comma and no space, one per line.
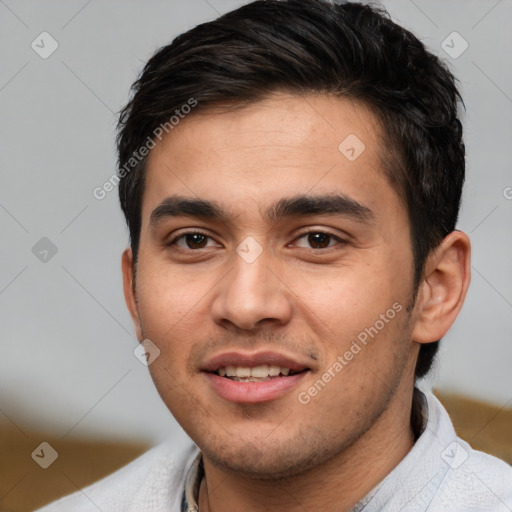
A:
254,378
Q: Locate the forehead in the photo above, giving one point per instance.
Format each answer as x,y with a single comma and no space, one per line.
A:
285,145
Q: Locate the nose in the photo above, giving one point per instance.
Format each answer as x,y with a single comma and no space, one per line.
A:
252,296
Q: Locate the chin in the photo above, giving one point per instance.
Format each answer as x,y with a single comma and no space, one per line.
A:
266,460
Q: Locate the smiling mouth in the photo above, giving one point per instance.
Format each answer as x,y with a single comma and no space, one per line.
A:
259,373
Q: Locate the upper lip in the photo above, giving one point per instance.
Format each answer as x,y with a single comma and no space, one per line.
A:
253,359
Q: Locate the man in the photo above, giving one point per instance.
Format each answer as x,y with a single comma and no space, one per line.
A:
291,176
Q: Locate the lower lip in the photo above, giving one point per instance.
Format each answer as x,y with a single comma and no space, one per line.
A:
253,392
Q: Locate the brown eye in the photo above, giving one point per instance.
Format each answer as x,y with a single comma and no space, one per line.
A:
196,241
319,240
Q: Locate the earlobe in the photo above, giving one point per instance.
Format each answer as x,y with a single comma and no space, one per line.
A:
129,290
443,289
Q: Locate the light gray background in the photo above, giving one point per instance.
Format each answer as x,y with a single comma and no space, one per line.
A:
66,337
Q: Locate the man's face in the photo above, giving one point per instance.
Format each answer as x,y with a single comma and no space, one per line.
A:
275,282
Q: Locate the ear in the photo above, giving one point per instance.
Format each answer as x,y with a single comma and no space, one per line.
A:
443,288
129,291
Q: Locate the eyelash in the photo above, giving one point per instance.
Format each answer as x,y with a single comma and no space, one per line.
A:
301,235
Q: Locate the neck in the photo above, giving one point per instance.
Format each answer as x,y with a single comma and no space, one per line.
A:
337,484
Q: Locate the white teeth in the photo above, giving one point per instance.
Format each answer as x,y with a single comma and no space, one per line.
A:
274,371
242,371
259,372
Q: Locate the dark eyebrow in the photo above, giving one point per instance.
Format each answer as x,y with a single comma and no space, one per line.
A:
297,206
335,204
178,206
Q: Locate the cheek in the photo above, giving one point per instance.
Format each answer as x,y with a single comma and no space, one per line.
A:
357,314
167,295
350,296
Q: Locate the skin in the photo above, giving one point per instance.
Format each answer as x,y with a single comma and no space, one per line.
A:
297,298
